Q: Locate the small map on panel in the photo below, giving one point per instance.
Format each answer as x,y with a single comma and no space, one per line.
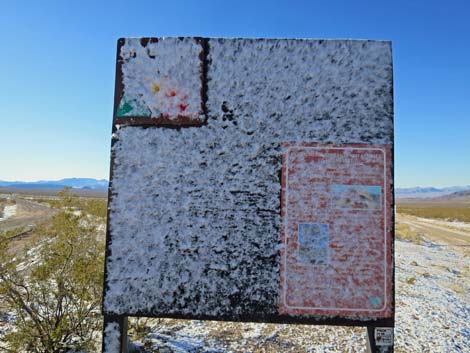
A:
313,244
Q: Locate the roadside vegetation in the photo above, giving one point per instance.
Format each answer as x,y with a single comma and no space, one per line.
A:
404,232
14,232
93,206
449,213
51,290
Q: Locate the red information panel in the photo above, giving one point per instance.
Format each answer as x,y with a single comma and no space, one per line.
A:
336,254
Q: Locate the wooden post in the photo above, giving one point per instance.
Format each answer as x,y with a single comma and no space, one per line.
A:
114,334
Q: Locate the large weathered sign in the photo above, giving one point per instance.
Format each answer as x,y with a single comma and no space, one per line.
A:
251,180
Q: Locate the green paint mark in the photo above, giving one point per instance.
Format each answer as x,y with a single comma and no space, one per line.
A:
124,109
131,107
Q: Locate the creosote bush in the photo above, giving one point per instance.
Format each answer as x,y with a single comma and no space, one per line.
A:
53,291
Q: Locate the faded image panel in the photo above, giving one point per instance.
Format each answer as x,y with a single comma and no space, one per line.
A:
313,244
357,197
160,82
337,257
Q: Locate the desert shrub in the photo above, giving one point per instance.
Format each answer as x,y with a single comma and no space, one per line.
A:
140,327
53,291
95,207
92,206
9,233
450,213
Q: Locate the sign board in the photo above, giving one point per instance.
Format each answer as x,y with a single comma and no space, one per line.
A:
251,180
336,236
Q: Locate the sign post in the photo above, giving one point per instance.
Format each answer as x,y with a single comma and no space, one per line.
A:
252,180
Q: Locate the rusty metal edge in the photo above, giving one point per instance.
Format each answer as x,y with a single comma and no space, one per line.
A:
117,92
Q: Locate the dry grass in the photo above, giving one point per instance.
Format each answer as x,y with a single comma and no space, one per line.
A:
448,209
457,288
461,214
404,232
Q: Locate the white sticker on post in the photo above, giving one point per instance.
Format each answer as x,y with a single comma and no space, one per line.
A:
383,336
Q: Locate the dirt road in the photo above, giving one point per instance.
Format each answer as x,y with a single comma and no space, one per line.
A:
439,233
28,214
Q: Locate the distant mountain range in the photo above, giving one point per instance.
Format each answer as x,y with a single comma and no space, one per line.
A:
75,183
428,192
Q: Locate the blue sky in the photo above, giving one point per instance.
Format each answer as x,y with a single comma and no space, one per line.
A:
57,67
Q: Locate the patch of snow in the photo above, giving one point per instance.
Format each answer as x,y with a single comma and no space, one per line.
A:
252,331
432,314
33,255
112,338
8,211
